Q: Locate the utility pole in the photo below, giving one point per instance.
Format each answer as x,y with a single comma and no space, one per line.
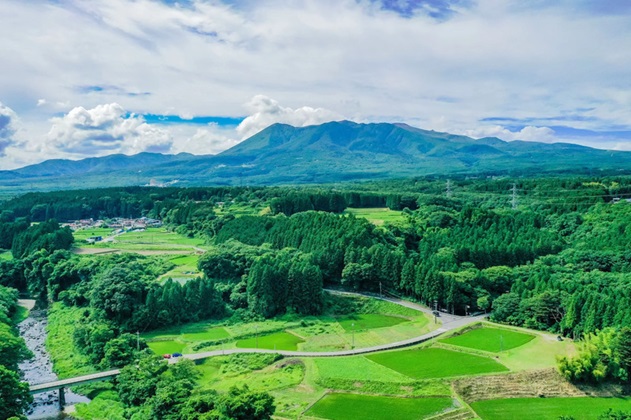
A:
138,340
448,189
353,340
257,335
380,291
513,200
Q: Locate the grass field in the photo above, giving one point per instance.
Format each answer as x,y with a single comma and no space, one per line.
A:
167,346
378,216
185,268
357,368
369,321
66,357
436,363
216,333
176,339
355,406
151,239
277,341
258,371
383,323
82,234
548,408
539,353
6,255
490,339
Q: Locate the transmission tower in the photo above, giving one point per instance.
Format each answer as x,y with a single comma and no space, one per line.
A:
513,200
448,189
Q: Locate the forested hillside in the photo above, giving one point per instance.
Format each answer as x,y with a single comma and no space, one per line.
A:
549,254
554,256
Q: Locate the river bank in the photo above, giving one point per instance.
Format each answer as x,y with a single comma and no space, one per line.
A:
39,369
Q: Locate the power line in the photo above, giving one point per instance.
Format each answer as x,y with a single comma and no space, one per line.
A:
513,201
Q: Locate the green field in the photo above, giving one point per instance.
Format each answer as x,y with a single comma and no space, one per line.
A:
490,339
377,323
583,408
185,268
81,235
258,371
363,322
156,239
436,363
216,333
166,347
176,339
277,341
6,255
355,406
357,368
378,216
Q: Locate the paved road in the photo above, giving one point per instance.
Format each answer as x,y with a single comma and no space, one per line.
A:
448,321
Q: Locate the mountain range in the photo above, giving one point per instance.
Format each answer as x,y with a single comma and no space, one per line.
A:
326,153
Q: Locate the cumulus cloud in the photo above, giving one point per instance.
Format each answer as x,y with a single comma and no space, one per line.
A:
204,141
267,111
530,133
8,128
419,65
106,129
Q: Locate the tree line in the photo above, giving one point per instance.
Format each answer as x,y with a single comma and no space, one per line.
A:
14,394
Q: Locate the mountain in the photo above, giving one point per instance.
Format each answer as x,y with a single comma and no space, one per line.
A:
331,152
63,167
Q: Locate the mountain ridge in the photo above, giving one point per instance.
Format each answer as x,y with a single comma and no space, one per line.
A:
325,153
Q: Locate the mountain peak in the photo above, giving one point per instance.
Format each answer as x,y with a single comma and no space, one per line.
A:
329,152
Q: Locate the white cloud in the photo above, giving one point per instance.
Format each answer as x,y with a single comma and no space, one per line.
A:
622,146
105,129
530,133
205,141
8,128
267,111
512,59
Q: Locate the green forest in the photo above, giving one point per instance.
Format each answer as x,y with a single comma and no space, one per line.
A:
549,254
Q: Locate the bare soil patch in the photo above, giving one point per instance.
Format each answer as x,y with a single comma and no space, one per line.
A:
528,384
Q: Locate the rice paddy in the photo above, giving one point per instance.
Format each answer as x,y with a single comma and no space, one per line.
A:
490,339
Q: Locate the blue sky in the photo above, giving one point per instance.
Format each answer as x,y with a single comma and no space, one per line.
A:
87,78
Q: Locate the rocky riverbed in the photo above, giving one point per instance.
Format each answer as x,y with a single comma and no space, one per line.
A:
40,369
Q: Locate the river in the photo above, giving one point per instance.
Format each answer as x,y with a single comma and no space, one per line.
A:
39,369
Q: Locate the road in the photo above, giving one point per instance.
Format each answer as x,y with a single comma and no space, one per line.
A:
448,322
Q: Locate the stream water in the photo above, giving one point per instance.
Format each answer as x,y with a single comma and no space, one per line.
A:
39,369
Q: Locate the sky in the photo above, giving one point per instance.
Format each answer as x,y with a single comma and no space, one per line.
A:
83,78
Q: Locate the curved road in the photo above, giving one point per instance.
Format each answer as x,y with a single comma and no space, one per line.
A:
449,322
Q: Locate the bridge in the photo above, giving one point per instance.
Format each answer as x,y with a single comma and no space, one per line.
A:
66,383
449,322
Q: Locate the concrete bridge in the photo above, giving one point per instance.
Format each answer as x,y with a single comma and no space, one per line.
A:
66,383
